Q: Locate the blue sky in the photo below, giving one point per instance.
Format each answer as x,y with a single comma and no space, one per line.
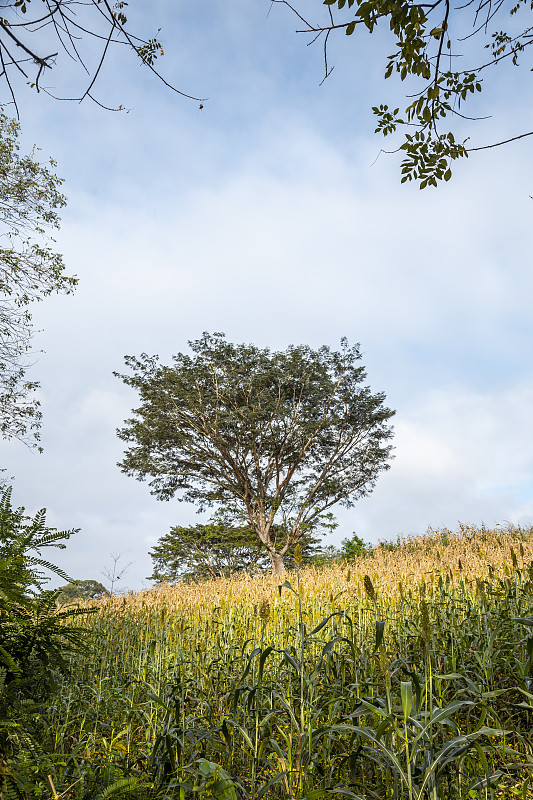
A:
266,215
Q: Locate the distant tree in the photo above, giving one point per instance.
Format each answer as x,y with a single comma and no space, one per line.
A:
354,547
445,52
34,33
81,590
277,438
206,551
220,549
29,271
115,571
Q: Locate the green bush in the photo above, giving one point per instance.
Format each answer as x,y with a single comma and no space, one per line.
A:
81,590
35,636
354,547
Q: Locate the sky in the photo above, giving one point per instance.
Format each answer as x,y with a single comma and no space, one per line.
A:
271,215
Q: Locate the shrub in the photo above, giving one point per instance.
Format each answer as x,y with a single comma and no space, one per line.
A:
35,634
354,547
81,590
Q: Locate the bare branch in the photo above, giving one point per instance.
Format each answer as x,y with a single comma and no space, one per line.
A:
60,18
499,144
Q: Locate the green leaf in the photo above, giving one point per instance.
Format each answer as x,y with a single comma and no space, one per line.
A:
286,585
524,621
121,787
406,690
484,783
292,661
325,622
264,655
281,775
380,630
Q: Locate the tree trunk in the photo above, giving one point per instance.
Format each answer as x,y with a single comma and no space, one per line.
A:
278,568
262,527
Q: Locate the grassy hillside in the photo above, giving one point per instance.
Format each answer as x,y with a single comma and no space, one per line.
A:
406,674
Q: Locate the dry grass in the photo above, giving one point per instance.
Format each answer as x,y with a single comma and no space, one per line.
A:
468,554
184,659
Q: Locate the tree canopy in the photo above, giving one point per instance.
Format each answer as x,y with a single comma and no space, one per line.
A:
445,54
81,590
274,438
199,552
219,549
29,271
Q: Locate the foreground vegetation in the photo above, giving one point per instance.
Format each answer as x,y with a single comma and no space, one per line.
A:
405,674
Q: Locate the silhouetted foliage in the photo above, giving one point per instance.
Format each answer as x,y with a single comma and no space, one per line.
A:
444,53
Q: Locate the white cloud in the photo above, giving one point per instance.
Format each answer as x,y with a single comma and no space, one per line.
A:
263,218
461,455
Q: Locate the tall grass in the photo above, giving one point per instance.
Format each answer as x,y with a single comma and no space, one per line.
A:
407,674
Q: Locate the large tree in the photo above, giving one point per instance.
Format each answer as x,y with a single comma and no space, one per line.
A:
276,438
29,271
444,52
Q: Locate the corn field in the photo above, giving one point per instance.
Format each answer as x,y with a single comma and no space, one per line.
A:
405,674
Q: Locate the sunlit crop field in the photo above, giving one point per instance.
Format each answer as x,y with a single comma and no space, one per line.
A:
405,674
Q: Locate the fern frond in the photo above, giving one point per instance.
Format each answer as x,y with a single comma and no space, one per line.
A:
122,787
